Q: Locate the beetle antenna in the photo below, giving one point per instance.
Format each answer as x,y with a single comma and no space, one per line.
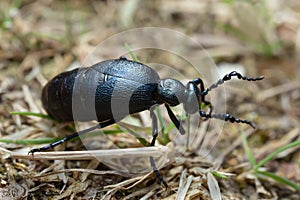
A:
226,117
228,77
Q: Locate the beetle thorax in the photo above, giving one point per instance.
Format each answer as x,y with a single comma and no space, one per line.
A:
171,92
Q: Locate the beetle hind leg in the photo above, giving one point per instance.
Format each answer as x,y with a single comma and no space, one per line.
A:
69,137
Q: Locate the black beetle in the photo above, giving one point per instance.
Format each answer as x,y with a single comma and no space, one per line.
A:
122,87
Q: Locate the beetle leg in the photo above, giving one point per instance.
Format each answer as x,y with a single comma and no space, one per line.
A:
155,170
154,126
76,134
154,136
226,117
228,77
176,122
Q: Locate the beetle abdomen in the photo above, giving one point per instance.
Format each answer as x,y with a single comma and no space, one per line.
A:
57,96
110,89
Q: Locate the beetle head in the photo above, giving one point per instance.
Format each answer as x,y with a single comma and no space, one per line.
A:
192,103
173,92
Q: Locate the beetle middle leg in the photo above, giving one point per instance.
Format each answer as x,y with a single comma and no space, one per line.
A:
154,136
69,137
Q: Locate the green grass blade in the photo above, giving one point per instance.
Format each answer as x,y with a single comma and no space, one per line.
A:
51,140
170,127
160,120
217,174
40,115
142,140
272,155
133,56
30,141
188,132
247,150
165,134
280,179
101,132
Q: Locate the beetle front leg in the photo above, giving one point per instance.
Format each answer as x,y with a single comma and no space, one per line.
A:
176,122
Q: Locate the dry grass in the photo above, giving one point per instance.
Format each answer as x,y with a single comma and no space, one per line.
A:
39,39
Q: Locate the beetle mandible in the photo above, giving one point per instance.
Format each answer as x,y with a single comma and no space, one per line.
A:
127,80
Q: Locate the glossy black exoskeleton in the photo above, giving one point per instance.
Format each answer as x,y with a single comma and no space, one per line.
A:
110,90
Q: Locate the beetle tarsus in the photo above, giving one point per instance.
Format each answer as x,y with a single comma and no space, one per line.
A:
32,151
155,170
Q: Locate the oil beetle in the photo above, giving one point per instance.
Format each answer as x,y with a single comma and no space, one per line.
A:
123,87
